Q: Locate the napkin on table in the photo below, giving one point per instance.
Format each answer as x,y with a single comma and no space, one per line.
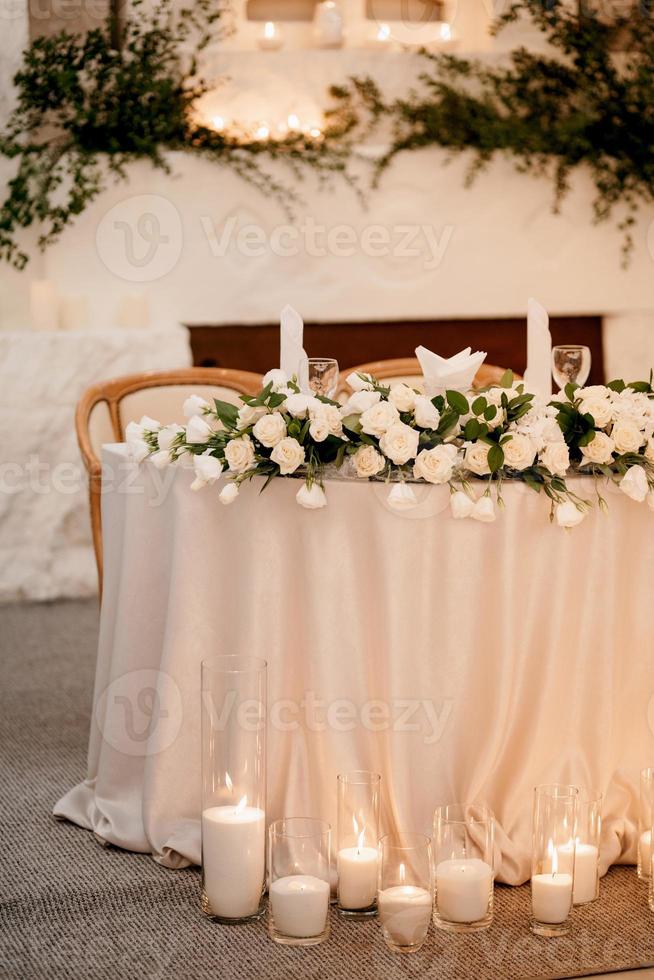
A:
456,373
292,356
538,376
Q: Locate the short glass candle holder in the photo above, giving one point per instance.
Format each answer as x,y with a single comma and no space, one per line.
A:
463,859
406,893
587,847
553,858
299,851
645,823
233,788
357,855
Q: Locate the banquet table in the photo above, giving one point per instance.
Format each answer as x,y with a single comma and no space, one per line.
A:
465,662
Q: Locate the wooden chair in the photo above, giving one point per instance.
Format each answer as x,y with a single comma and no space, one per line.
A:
105,409
407,369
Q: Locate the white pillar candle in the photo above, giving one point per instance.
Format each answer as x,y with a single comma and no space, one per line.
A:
645,853
405,911
551,897
299,904
234,859
538,373
44,305
463,889
357,877
585,870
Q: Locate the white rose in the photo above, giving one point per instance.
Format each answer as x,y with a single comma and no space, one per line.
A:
359,382
634,483
319,429
148,424
249,414
368,462
167,435
312,499
403,397
484,510
435,465
160,459
194,405
555,457
239,454
627,437
476,458
197,430
649,450
402,497
330,414
229,493
269,430
519,451
359,402
380,417
137,448
594,391
299,404
399,443
425,413
278,377
598,407
568,515
288,454
461,505
599,450
207,469
630,404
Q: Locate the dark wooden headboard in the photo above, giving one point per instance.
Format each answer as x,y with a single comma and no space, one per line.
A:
255,347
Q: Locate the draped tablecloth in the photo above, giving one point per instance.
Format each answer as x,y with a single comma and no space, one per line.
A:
465,662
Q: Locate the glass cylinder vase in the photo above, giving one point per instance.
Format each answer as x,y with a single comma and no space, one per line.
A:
357,840
587,846
553,858
463,858
299,864
233,787
645,823
406,892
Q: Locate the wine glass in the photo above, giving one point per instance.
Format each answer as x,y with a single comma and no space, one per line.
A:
570,363
323,376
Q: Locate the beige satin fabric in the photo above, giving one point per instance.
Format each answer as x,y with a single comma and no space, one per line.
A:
465,662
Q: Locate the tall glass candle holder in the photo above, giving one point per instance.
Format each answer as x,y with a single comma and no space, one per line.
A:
553,858
358,837
645,823
406,892
299,863
463,858
651,872
233,787
587,847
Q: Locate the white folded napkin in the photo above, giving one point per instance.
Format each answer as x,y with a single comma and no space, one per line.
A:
456,373
538,376
292,357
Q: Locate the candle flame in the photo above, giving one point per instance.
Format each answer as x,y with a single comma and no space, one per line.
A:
263,132
293,121
384,32
402,874
269,29
445,32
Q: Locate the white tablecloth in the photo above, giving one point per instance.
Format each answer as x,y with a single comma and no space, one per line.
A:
45,534
497,656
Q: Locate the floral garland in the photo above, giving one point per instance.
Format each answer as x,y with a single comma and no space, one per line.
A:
399,435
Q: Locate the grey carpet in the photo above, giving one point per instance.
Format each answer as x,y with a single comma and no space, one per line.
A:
71,908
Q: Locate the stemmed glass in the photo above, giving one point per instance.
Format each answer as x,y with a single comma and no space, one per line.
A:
323,376
570,363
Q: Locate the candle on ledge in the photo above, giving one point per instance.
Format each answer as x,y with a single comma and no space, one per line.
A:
405,913
272,38
463,889
299,905
357,876
233,859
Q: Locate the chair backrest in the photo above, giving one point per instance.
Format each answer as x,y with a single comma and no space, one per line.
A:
407,369
104,411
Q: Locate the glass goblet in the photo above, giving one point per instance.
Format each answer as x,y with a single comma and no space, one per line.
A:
570,363
323,376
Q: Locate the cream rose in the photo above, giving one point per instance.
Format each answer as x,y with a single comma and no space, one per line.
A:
599,450
555,457
331,414
359,402
425,413
403,397
319,429
634,483
568,515
380,417
239,454
249,414
368,462
207,470
435,465
276,377
298,404
519,451
288,454
598,407
649,450
399,443
269,430
627,437
476,458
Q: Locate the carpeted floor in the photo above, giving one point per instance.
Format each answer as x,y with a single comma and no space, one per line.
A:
71,908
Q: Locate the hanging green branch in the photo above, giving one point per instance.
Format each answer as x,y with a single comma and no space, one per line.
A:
589,103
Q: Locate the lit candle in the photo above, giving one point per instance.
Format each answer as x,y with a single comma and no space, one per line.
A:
299,904
218,123
586,871
271,39
383,35
405,912
233,858
551,893
357,875
263,131
645,853
463,889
